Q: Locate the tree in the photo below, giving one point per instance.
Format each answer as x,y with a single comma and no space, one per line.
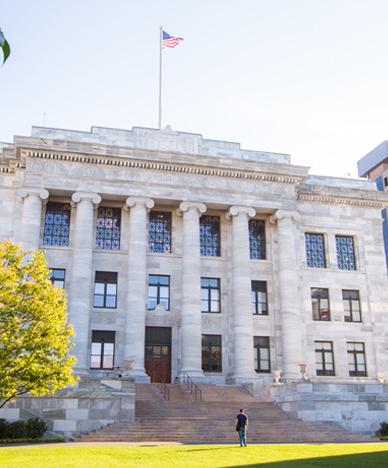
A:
4,46
35,338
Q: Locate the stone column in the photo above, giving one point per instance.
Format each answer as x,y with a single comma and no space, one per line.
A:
243,362
81,287
290,313
191,336
137,287
31,216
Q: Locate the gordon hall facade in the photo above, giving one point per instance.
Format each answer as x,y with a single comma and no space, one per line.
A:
187,256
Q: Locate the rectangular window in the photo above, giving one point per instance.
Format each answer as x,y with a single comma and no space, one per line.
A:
210,295
257,239
159,232
105,290
320,304
210,238
261,354
352,307
211,353
158,291
324,358
346,259
356,359
58,277
56,225
315,250
103,350
108,228
259,298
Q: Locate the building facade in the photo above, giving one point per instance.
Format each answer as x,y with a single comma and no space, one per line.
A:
374,165
186,256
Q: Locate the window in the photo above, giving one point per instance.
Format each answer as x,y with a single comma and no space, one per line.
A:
257,239
356,359
261,354
103,350
346,259
158,291
210,295
210,236
324,358
105,290
315,250
108,228
259,298
352,308
159,232
385,181
320,303
56,225
58,277
211,353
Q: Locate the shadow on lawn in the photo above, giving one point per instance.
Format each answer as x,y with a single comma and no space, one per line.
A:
359,460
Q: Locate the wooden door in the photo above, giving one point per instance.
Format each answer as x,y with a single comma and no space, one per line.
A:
158,354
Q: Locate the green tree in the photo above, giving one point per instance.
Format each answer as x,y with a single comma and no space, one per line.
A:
4,46
35,338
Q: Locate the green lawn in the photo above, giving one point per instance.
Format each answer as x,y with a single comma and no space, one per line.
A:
271,456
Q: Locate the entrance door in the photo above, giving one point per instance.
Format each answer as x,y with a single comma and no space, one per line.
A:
158,354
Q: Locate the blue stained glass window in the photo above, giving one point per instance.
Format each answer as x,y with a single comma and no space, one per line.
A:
210,236
346,259
56,225
159,232
315,250
108,228
257,239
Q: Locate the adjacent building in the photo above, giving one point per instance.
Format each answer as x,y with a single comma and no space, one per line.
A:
187,256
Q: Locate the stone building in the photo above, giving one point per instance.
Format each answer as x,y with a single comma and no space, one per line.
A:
187,256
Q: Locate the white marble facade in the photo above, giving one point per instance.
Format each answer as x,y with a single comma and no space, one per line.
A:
143,169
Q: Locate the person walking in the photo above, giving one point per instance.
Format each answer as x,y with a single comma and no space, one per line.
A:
241,427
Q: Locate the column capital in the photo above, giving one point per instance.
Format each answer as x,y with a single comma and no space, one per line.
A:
285,214
91,196
236,210
38,192
186,206
132,201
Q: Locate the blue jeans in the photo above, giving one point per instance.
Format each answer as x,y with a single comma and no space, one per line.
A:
242,433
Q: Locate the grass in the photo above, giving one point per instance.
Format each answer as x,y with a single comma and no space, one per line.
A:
198,456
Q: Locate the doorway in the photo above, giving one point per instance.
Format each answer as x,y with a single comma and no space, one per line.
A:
158,354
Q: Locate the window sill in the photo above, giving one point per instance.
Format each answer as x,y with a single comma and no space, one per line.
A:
211,313
104,309
107,251
55,247
209,257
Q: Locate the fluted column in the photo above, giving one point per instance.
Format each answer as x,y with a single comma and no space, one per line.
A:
289,295
191,337
31,216
137,286
243,362
82,275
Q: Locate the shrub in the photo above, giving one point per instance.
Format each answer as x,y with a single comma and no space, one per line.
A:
35,428
3,428
383,431
16,430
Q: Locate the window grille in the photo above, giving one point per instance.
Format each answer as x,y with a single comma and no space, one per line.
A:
108,228
346,259
257,239
56,225
159,232
315,250
210,236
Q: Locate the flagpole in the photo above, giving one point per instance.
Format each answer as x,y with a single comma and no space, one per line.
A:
160,78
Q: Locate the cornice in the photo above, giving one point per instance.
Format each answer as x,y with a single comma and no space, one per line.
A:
335,200
175,167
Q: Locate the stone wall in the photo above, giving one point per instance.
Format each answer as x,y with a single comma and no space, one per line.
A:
359,407
91,404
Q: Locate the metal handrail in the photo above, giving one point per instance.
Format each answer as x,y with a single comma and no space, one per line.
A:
194,389
164,390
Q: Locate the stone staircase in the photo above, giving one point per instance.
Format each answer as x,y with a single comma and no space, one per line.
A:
212,420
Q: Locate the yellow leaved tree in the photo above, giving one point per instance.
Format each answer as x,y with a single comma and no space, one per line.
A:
35,339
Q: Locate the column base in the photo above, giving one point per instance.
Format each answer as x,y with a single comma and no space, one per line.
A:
241,379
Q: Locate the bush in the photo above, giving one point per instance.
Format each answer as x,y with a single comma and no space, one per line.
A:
383,431
35,428
17,430
31,429
3,428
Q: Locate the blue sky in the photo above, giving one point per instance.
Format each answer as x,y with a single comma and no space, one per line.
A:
305,77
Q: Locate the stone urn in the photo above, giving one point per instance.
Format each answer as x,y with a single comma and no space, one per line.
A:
277,373
381,377
303,371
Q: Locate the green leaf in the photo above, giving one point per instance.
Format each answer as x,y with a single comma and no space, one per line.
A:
6,50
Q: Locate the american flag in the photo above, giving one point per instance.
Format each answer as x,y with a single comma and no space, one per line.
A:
170,41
